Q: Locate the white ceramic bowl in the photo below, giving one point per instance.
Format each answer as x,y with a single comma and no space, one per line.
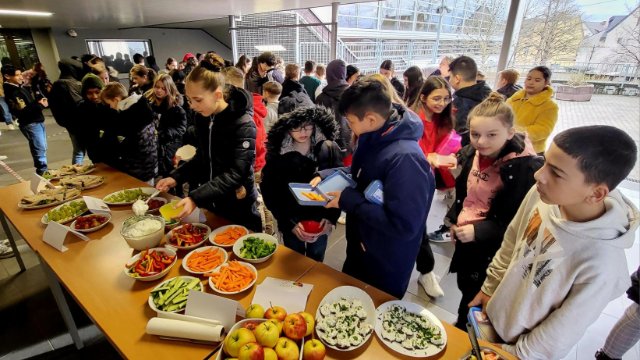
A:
212,236
192,246
204,248
219,268
199,287
107,215
142,242
157,276
266,237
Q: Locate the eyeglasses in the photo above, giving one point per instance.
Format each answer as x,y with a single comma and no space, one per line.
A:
439,99
308,128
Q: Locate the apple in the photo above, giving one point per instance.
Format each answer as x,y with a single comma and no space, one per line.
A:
278,323
236,340
251,351
295,327
314,350
276,312
287,349
267,334
308,318
270,354
255,311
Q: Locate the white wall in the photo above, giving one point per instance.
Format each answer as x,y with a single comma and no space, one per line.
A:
165,42
46,52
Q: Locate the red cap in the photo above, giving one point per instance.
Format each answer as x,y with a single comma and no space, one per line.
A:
187,56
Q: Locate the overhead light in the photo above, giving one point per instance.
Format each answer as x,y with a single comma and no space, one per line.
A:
24,12
264,48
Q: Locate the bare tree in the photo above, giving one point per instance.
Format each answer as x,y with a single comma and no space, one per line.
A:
483,28
551,30
628,49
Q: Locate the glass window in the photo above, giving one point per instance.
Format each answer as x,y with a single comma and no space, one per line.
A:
17,48
119,52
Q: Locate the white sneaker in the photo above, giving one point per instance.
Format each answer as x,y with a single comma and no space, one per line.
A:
342,219
3,157
430,284
11,127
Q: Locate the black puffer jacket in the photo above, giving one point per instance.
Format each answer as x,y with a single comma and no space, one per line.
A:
292,97
463,101
282,169
91,126
226,151
172,125
330,97
509,90
65,93
137,145
517,179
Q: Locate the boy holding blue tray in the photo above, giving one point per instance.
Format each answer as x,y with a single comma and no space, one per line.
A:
383,239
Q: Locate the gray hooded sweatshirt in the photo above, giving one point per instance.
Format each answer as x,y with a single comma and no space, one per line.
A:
552,278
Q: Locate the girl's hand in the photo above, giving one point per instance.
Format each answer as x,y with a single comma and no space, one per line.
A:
299,232
315,181
188,207
327,227
165,184
464,233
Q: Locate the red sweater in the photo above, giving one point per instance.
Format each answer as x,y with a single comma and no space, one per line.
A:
259,113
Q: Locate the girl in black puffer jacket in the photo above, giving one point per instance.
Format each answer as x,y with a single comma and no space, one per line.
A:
170,120
226,150
299,144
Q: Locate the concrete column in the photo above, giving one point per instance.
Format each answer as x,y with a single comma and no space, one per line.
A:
234,37
510,32
334,30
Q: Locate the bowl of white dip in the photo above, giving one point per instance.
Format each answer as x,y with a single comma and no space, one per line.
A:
143,232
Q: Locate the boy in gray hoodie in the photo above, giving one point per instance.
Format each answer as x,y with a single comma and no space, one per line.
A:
562,259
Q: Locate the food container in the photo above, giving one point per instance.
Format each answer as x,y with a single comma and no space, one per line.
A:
152,305
265,237
106,216
185,261
146,240
249,267
154,205
311,227
221,230
207,231
157,276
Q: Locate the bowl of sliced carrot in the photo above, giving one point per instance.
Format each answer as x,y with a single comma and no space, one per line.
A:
232,277
205,259
226,236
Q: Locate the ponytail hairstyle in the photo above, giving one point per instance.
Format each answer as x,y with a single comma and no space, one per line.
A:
208,74
494,106
444,120
141,70
173,97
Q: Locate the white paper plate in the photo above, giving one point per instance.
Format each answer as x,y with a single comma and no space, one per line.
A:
45,217
107,215
349,293
416,309
147,190
157,276
186,278
219,268
266,237
219,230
186,259
188,247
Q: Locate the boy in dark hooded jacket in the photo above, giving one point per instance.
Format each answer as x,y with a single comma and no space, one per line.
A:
383,240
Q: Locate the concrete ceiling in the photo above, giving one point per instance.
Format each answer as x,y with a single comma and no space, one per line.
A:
111,14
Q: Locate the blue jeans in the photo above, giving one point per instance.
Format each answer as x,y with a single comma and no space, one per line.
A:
78,150
4,111
37,137
313,250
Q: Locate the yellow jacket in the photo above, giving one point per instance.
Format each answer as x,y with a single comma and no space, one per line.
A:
536,116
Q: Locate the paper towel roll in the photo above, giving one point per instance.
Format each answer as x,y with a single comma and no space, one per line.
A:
185,330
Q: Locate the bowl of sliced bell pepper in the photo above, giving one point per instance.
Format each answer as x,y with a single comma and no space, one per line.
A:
151,264
188,236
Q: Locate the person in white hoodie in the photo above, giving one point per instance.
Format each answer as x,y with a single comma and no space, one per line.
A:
562,258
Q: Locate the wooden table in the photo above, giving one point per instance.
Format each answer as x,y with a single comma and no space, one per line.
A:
92,272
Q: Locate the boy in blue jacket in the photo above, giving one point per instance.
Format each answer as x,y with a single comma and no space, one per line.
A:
383,240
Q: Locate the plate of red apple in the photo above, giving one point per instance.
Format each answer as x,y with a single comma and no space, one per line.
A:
271,335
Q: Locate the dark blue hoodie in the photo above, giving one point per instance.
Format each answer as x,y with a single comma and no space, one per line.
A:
383,241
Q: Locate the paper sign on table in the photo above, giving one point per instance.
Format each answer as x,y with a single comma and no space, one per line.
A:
197,216
96,206
55,234
288,294
39,183
209,306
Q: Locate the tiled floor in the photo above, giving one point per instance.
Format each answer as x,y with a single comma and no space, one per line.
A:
31,326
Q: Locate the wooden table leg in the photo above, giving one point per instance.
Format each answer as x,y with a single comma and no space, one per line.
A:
12,242
58,295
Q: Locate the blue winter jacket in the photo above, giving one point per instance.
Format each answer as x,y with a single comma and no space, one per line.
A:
389,234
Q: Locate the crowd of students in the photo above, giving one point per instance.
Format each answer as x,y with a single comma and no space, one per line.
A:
531,256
